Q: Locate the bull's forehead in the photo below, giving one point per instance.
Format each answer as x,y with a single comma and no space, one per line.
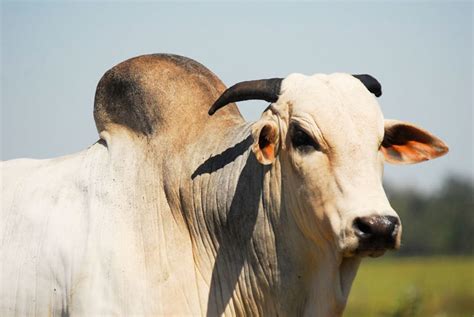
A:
338,106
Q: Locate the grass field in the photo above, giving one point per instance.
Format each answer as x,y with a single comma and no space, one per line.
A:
413,287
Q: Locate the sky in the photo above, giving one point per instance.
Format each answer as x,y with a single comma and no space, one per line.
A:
54,53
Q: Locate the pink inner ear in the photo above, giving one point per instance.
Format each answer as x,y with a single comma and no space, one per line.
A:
269,151
405,143
412,152
267,141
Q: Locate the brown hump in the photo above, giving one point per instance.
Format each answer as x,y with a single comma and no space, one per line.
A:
152,93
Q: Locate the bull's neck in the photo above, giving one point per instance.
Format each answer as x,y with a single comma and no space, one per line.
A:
244,234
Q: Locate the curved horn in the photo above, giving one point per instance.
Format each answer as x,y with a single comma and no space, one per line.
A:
371,84
263,89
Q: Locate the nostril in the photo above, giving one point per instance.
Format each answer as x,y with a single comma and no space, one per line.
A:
393,225
362,227
393,220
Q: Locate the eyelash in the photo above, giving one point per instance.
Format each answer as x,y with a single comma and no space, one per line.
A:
303,142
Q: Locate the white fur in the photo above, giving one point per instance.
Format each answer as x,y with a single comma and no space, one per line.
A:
142,226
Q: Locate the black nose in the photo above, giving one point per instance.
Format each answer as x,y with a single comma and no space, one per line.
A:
376,232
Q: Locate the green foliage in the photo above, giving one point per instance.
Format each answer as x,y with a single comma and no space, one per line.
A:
413,287
409,304
436,223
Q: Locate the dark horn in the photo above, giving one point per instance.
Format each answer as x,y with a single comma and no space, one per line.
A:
263,89
371,84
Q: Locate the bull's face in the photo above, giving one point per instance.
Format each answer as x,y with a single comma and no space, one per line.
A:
330,137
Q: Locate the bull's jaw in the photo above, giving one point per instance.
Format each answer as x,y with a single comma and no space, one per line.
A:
330,286
347,272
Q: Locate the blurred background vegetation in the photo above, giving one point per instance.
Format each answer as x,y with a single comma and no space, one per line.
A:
433,272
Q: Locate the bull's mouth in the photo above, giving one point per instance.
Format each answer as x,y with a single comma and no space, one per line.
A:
363,251
373,253
354,246
377,248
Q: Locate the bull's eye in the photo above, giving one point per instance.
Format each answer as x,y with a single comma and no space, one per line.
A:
303,142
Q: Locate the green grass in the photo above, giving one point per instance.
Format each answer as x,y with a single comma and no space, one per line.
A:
413,287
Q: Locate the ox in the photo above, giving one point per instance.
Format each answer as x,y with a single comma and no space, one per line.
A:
176,212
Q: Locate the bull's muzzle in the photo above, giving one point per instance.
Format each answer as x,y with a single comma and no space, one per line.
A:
376,234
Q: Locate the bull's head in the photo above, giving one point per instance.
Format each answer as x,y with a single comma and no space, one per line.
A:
331,139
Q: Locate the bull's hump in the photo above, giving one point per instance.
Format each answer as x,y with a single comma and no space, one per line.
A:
150,93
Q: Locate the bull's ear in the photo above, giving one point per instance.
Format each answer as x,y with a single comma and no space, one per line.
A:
405,143
266,139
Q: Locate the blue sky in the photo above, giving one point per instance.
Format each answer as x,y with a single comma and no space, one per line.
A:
54,53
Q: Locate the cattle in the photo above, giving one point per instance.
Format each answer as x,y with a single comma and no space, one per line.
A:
184,208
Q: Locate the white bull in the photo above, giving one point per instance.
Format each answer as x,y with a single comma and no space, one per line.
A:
175,212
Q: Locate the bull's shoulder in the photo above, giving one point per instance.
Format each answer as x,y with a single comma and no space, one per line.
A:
24,180
158,93
17,171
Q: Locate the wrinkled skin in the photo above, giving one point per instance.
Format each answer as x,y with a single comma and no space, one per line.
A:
175,212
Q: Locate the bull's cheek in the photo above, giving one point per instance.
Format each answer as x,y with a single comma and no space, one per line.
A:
311,221
317,226
317,218
306,182
336,226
